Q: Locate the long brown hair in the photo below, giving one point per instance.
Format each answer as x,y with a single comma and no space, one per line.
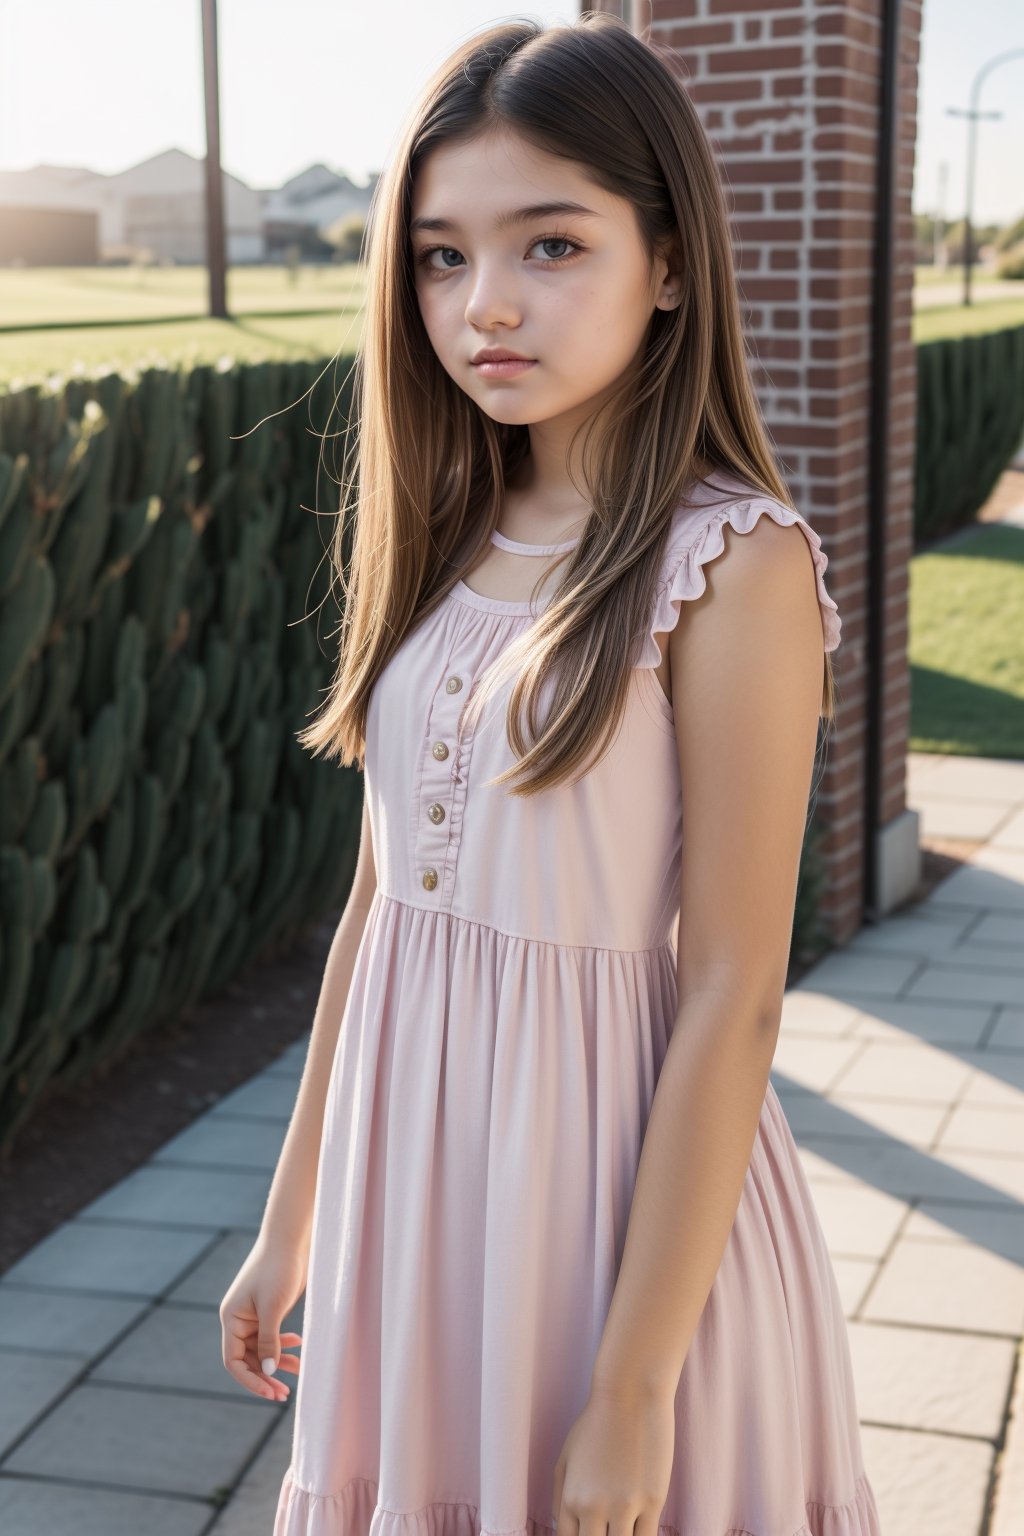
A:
432,467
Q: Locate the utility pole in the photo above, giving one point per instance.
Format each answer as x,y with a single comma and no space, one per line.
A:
939,222
214,181
972,115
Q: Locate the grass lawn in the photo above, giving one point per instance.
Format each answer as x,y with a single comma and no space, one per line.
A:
928,275
970,319
36,296
60,320
967,645
26,356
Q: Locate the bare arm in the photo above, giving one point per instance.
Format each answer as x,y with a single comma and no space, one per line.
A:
288,1214
747,671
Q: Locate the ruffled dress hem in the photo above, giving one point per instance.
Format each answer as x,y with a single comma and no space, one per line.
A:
354,1511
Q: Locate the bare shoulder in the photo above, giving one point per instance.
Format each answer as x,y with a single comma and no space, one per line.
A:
760,588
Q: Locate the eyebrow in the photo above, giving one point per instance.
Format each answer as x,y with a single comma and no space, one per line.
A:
511,216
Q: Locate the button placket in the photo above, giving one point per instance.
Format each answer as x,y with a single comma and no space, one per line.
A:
458,797
436,839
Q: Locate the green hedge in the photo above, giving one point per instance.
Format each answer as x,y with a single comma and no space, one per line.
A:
166,622
970,422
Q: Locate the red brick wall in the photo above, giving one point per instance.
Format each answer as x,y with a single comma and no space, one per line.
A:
789,93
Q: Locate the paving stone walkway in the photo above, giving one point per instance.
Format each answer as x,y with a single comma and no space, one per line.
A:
901,1069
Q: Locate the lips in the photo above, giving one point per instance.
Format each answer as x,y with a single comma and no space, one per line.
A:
500,356
506,368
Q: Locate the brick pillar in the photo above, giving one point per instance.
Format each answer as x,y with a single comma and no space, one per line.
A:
792,93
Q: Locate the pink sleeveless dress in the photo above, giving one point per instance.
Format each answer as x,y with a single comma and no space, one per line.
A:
511,1004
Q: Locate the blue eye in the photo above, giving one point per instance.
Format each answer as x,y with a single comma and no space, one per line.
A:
555,240
423,258
429,251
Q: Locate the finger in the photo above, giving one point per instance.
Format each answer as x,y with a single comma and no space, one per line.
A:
290,1339
278,1389
556,1498
268,1345
289,1363
286,1363
235,1337
647,1522
622,1522
239,1361
253,1381
568,1525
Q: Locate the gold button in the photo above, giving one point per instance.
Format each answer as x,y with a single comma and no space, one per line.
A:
454,684
430,878
440,751
436,812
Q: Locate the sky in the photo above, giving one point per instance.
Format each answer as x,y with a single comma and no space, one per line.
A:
111,82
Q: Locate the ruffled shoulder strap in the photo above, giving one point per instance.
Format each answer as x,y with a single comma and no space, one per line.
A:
697,535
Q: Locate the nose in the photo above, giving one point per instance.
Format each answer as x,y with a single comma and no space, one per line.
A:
491,301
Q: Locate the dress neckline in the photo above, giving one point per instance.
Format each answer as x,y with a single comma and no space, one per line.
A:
515,608
516,547
503,605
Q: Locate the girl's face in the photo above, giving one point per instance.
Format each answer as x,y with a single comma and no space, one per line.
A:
568,288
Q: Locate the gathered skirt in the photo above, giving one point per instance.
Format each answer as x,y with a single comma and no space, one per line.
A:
483,1126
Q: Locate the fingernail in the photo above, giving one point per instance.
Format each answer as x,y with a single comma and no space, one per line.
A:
269,1366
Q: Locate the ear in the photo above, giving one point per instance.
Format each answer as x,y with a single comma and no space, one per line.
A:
669,269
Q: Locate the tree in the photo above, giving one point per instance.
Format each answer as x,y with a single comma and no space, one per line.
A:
347,235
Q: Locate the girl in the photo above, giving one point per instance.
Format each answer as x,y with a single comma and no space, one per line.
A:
561,1263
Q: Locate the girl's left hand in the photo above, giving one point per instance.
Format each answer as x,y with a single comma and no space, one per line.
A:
615,1465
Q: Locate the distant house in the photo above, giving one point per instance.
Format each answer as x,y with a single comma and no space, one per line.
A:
46,218
298,212
32,235
157,206
59,215
163,208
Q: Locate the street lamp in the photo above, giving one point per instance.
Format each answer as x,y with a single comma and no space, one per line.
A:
973,114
